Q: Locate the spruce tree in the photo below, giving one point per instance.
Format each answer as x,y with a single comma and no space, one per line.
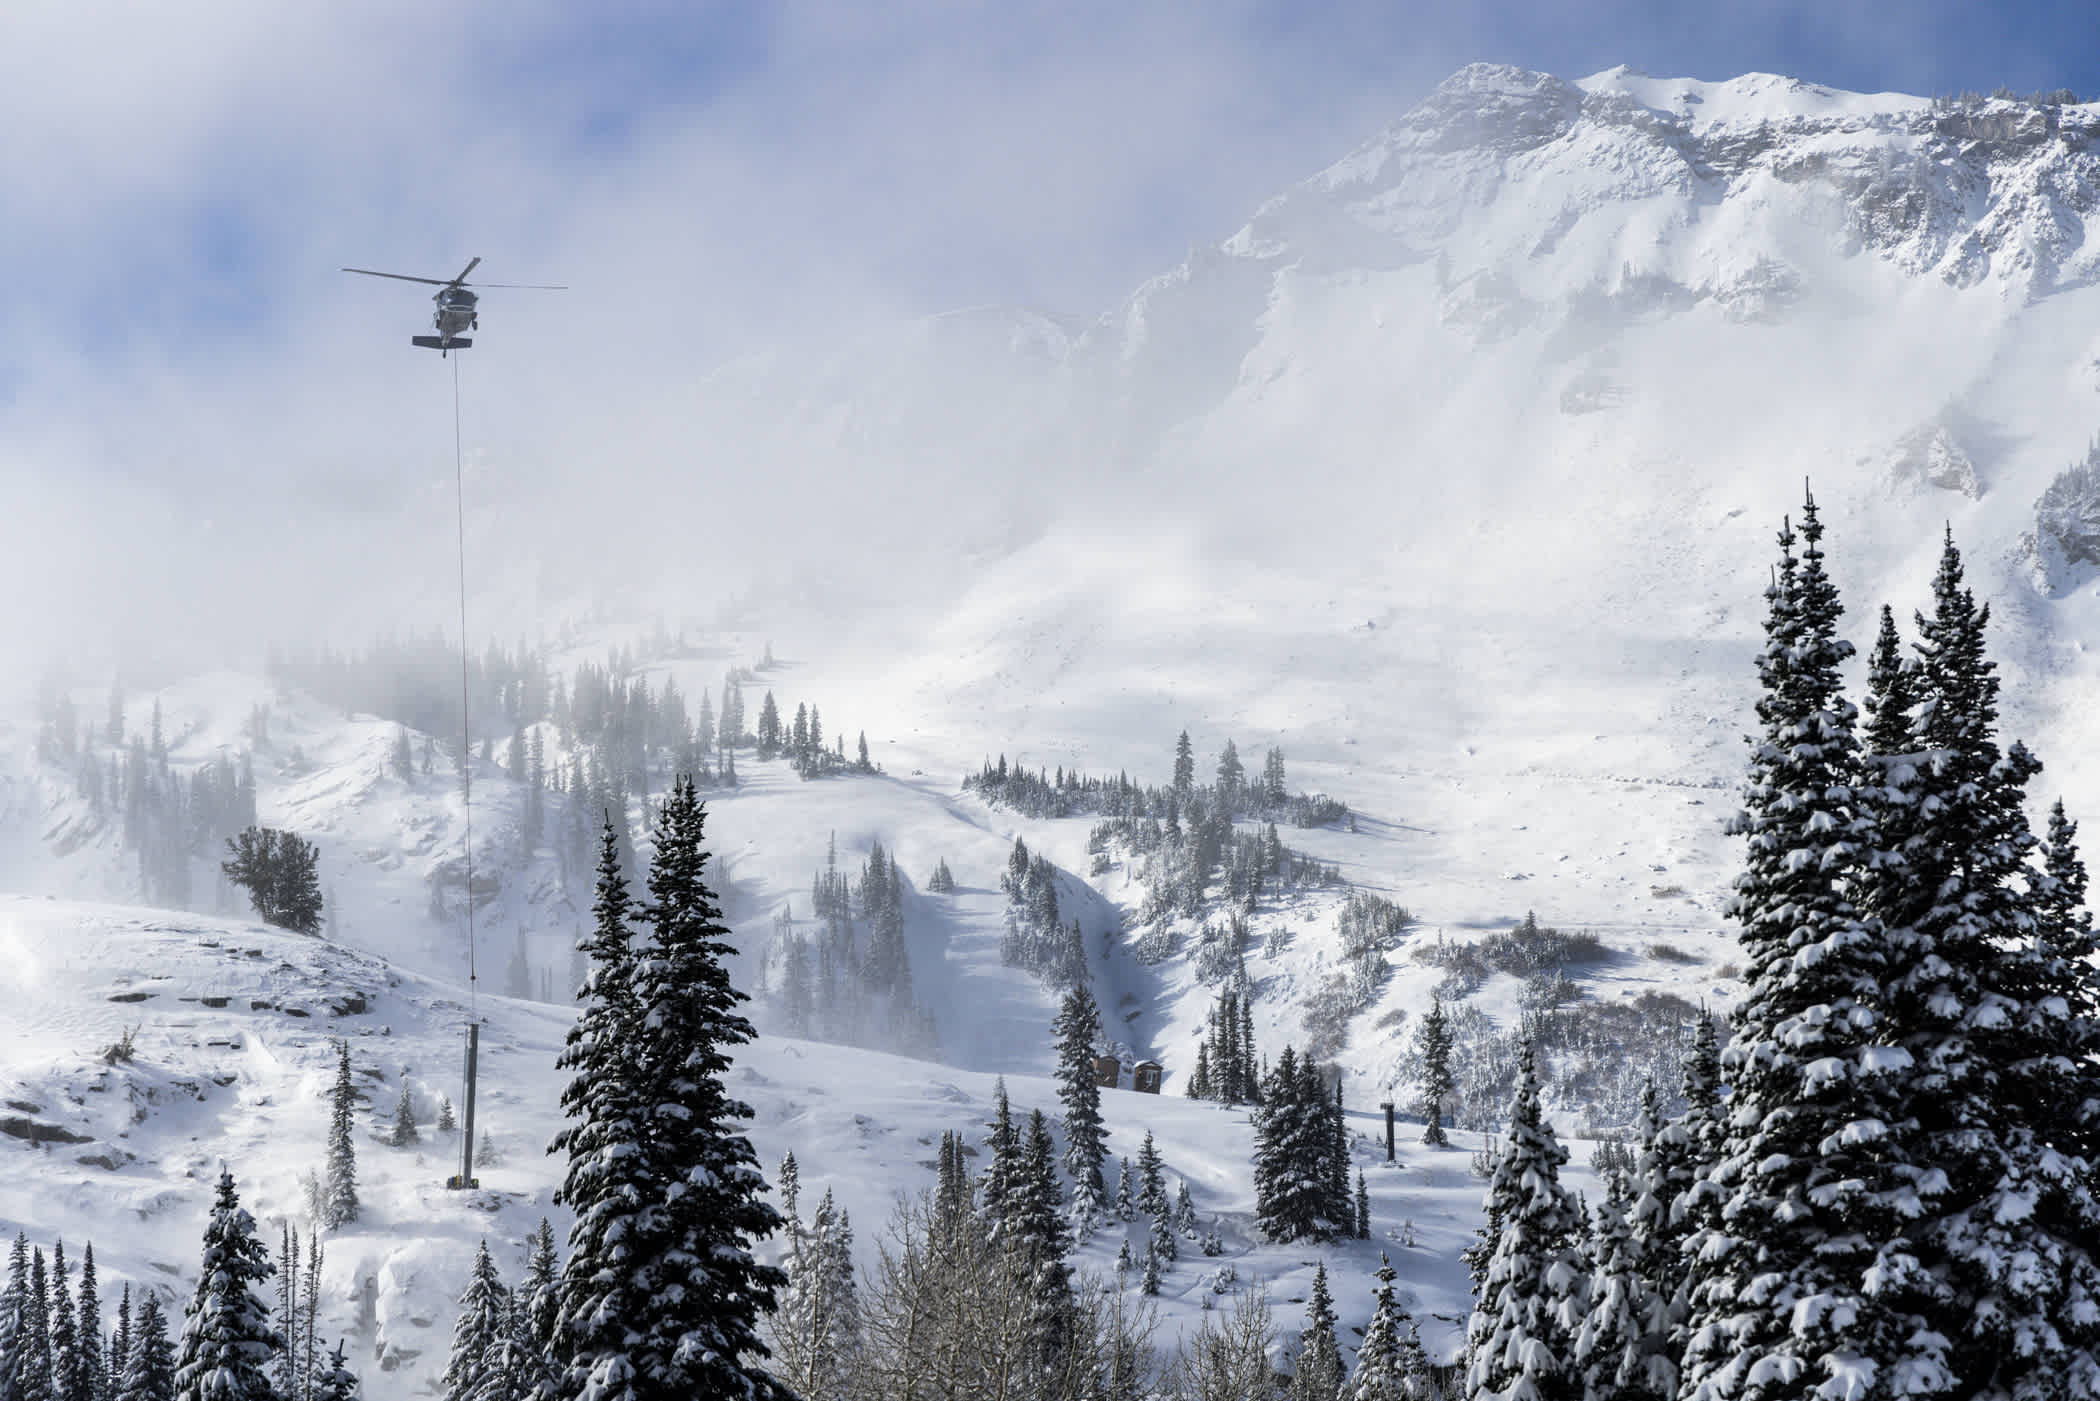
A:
91,1377
1378,1376
119,1344
1520,1337
511,1367
2064,934
1126,1201
606,1184
1036,1206
1433,1043
227,1340
815,1331
1798,1254
1664,1171
1077,1028
698,1291
2009,1226
1362,1207
65,1337
483,1307
538,1292
1294,1143
1616,1344
1341,1200
1152,1182
37,1364
1316,1375
149,1372
14,1318
335,1381
404,1132
339,1184
1184,765
1002,1174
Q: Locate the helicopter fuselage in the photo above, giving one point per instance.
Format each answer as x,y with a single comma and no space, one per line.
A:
455,314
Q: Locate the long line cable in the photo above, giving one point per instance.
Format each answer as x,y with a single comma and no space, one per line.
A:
466,736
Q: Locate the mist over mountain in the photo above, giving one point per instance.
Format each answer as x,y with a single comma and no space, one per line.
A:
1448,481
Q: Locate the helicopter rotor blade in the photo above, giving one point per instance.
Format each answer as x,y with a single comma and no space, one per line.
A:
526,286
401,277
464,271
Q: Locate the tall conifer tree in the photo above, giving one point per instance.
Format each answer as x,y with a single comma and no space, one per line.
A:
1521,1335
604,1184
693,1327
1317,1373
1798,1256
1077,1028
2007,1223
339,1182
227,1340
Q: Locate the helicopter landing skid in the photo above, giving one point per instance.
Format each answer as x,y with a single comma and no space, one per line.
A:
439,343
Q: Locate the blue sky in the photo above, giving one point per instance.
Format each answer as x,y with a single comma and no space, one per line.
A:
948,153
178,351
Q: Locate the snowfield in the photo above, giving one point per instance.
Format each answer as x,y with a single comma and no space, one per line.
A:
1454,474
233,1027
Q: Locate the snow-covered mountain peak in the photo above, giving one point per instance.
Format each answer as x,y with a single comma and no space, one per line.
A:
1688,191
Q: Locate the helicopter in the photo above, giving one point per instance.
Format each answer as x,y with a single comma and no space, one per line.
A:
455,312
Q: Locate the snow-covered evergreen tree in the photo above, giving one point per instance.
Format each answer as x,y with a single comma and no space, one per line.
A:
149,1372
1378,1375
1434,1042
1294,1146
2009,1224
815,1331
539,1293
1341,1199
90,1375
339,1181
1036,1206
607,1184
1619,1341
483,1309
36,1369
404,1132
227,1340
119,1343
334,1381
14,1318
65,1340
2064,931
1077,1029
1663,1172
1002,1174
1798,1253
1520,1338
1152,1180
693,1292
512,1368
1316,1375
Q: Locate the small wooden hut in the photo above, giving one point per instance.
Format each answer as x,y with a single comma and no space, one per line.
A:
1145,1077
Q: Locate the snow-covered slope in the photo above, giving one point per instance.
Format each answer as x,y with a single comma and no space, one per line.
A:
1453,473
233,1025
